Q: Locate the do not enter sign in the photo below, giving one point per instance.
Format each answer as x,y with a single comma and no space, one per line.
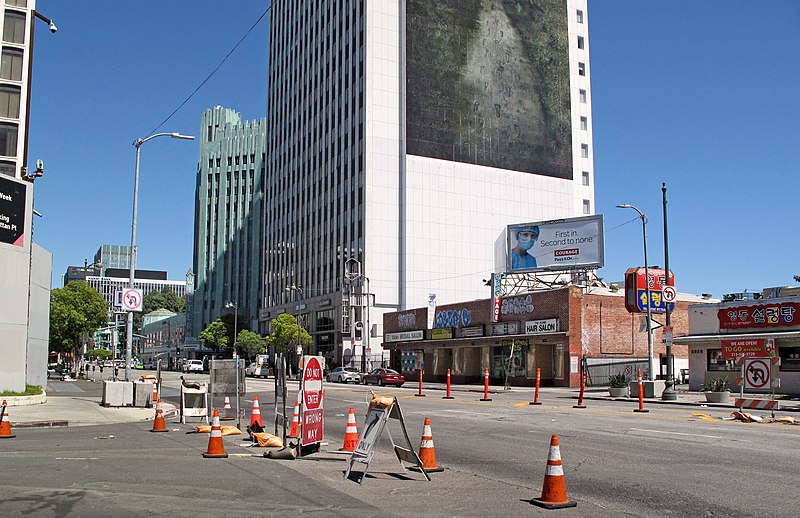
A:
312,424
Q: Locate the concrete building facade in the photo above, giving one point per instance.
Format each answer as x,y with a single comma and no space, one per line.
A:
399,150
228,236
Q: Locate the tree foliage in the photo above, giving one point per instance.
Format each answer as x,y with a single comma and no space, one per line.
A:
229,318
75,309
215,336
166,298
284,334
249,343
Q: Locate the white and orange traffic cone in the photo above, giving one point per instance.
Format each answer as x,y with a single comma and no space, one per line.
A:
159,425
351,432
155,395
295,420
427,453
5,424
216,450
554,490
228,411
255,417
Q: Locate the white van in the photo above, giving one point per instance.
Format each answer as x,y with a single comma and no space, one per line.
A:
193,366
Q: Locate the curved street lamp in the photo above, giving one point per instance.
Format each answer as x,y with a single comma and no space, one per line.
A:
650,362
138,144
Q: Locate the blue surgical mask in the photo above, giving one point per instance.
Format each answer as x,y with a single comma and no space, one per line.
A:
526,243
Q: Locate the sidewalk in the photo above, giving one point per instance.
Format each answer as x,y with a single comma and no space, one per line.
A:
76,403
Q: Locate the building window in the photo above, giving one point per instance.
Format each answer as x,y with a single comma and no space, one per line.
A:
580,42
11,67
790,358
587,207
585,178
580,16
582,69
8,168
8,139
717,363
584,123
584,150
14,27
17,3
582,95
9,102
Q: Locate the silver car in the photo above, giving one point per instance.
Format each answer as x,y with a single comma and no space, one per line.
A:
344,375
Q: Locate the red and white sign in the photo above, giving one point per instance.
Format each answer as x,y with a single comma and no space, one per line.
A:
131,299
669,293
760,316
313,412
756,373
749,348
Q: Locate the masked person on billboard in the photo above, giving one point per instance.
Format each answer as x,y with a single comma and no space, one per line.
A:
521,258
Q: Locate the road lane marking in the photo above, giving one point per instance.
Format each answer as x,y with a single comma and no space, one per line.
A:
676,433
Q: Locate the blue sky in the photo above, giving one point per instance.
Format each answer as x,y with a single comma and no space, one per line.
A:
700,95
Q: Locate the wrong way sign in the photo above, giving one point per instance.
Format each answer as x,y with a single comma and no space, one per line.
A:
756,373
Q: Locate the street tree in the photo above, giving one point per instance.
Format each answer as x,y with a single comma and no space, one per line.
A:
75,310
284,334
249,343
215,336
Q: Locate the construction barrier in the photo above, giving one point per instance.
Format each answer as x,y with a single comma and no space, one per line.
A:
641,395
758,404
580,395
554,489
448,396
536,392
419,392
486,386
216,449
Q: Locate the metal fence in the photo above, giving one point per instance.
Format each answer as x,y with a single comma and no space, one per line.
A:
597,373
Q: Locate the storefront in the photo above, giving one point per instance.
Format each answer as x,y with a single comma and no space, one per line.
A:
552,330
720,334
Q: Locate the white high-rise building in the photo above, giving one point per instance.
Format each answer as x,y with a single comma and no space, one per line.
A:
404,136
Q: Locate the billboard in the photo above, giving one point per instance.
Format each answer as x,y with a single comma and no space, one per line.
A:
487,83
12,211
562,244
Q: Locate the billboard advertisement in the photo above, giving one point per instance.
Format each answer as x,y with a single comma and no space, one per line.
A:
562,244
12,211
487,83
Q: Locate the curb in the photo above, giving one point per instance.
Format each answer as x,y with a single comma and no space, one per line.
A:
38,399
41,424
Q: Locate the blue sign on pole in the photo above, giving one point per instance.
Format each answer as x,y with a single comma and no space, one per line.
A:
657,302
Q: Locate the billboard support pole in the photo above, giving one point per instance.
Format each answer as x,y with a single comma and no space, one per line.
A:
669,390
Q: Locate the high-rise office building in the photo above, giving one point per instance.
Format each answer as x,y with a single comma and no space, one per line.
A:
227,230
112,256
404,136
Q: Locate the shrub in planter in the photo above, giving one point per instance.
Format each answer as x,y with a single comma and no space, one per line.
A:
618,385
716,390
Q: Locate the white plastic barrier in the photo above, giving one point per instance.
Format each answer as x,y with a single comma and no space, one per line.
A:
194,402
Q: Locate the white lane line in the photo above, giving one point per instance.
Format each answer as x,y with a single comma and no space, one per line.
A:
677,433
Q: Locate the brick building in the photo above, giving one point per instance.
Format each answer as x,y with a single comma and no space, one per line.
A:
553,330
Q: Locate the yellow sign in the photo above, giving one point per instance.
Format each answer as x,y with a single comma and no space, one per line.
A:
441,333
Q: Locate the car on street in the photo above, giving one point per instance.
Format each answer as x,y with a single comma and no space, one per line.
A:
193,366
381,376
344,375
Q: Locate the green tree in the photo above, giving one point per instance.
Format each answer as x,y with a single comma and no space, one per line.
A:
228,320
75,309
284,334
166,298
249,343
215,336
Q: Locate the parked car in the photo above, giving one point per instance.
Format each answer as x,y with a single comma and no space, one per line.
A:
193,366
383,376
344,375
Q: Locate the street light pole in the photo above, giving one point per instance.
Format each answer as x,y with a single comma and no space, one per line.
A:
138,144
669,390
650,363
236,356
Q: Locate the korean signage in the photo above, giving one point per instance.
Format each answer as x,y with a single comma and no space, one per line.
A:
549,325
12,211
636,286
750,348
765,315
442,333
562,244
405,336
505,328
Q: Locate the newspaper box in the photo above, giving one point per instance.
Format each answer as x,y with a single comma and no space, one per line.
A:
194,402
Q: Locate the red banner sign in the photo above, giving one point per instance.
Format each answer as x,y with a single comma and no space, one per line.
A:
749,348
767,315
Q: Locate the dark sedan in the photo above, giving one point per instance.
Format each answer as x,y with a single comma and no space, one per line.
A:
384,377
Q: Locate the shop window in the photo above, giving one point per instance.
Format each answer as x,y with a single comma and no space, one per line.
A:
790,358
717,363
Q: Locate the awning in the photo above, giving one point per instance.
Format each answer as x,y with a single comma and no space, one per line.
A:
693,339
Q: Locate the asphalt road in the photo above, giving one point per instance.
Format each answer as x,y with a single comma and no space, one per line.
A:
672,461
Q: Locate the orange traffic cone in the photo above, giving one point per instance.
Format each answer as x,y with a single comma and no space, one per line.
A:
255,417
554,490
5,424
159,425
216,450
295,419
351,432
228,411
155,395
427,454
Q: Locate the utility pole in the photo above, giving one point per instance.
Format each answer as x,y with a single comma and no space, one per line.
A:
669,391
